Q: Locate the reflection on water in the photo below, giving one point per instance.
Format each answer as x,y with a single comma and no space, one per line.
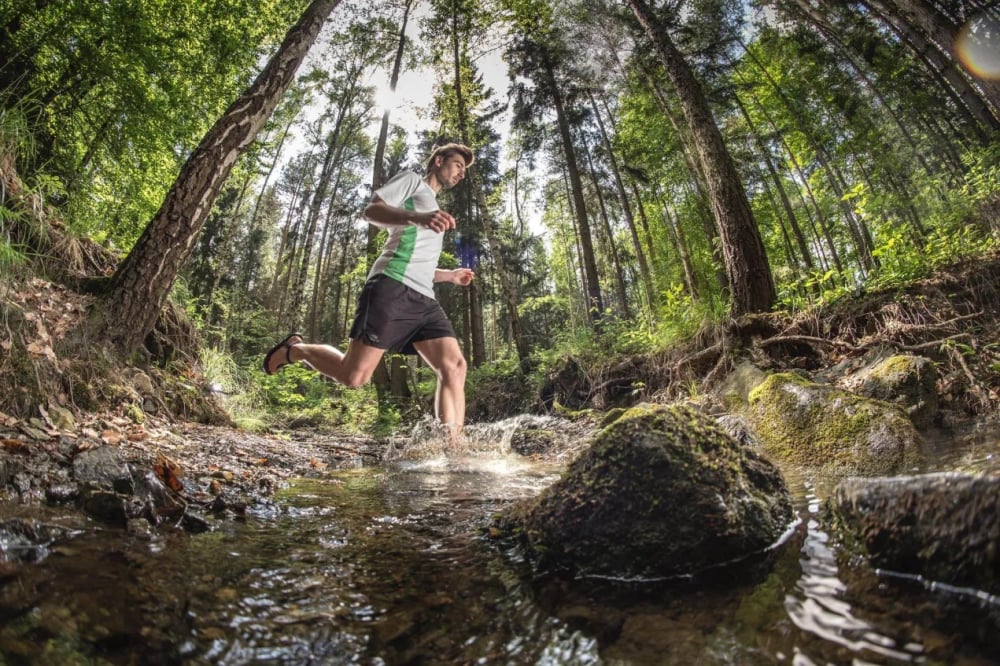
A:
816,604
388,565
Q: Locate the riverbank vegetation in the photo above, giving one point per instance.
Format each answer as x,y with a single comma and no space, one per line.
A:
659,192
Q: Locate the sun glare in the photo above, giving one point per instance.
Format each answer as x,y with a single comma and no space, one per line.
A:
385,97
978,46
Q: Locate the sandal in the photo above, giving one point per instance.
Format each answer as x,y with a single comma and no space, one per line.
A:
285,344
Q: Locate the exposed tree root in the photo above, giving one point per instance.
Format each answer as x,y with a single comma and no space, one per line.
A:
952,318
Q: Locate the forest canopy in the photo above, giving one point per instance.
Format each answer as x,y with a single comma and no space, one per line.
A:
645,167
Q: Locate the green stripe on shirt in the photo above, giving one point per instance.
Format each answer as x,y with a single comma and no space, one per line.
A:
404,252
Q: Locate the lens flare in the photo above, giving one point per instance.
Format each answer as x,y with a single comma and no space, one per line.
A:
978,46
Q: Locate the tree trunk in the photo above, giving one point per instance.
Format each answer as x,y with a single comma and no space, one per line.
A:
139,289
595,302
747,270
674,227
476,325
698,184
779,186
640,256
609,232
507,287
378,172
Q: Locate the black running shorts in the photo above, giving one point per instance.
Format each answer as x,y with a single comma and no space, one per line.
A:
392,316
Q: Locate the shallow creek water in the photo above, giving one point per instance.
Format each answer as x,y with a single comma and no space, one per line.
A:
389,565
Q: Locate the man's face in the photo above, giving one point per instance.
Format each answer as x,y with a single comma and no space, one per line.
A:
451,172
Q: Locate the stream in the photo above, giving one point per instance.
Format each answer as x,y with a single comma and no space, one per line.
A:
390,565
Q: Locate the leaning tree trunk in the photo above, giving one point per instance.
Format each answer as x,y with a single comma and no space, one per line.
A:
747,270
139,289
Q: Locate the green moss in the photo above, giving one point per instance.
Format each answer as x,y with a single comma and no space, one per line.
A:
824,427
134,412
895,365
611,416
575,414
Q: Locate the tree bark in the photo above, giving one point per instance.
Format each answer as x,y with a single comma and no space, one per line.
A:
129,308
747,270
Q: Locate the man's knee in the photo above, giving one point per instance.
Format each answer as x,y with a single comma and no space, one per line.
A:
454,368
357,378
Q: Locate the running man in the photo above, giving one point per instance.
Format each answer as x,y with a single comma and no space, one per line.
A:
397,310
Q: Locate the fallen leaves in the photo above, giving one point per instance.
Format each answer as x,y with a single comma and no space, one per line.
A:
15,446
111,437
169,472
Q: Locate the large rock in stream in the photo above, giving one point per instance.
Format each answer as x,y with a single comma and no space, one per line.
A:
823,427
945,526
661,492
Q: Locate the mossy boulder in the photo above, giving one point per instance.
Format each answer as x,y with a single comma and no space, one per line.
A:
824,427
945,526
907,381
661,492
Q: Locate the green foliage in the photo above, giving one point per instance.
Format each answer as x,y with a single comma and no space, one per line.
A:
298,391
902,262
123,90
816,287
15,141
242,395
982,180
680,316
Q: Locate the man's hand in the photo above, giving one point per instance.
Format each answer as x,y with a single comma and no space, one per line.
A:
463,276
438,221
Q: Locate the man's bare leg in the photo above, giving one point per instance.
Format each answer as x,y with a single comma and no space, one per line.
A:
444,356
352,369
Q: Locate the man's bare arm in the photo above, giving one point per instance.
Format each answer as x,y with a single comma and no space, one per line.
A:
382,213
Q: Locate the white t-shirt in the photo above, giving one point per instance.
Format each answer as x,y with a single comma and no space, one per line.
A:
411,253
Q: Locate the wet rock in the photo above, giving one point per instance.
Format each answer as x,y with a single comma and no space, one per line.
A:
945,526
195,523
909,382
737,427
62,494
21,482
105,506
530,441
824,427
149,489
10,467
102,466
693,497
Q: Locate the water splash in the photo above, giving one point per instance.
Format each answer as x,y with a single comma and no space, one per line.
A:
429,439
